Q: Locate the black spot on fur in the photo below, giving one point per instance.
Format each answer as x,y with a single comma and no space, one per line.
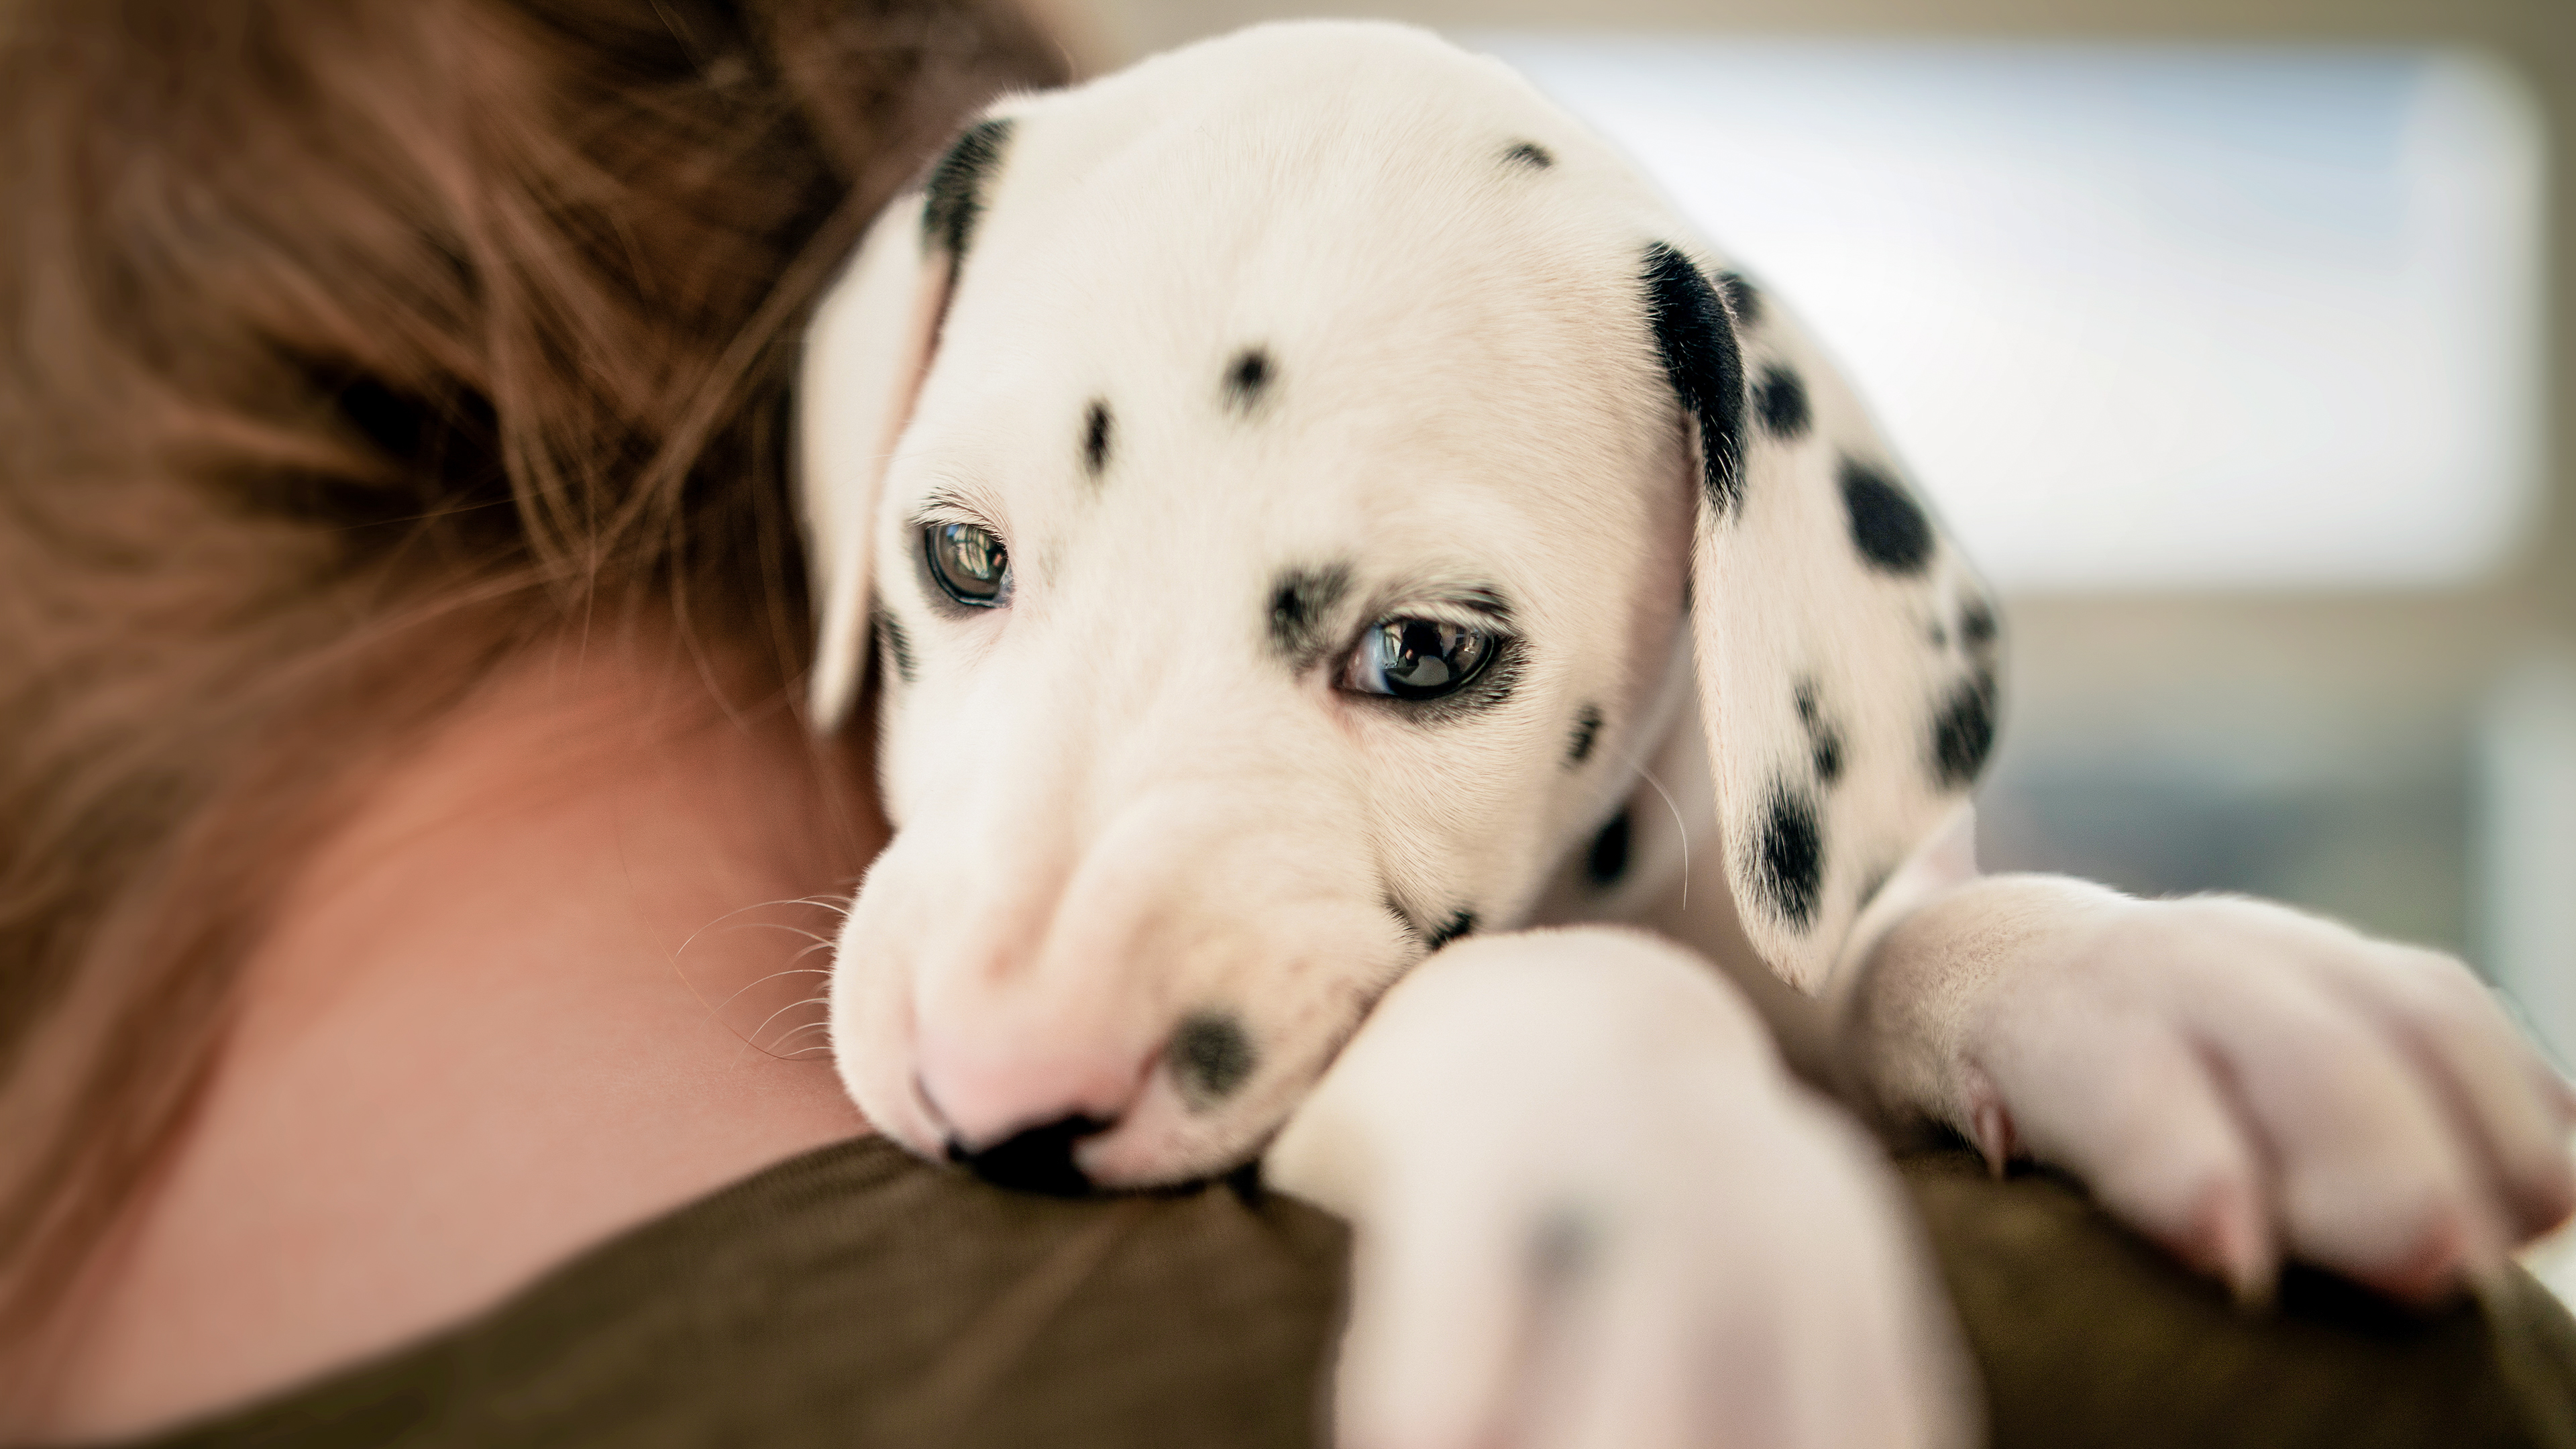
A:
954,198
1095,437
1698,347
1936,636
898,645
1301,603
1037,1160
1977,623
1461,924
1248,377
1530,154
1789,856
1741,296
1781,399
1887,525
1963,731
1824,742
1210,1056
1587,730
1606,864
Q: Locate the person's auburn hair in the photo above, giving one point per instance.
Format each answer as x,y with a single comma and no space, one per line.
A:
345,344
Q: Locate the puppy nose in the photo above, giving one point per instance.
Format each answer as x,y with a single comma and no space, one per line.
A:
1036,1159
1013,1105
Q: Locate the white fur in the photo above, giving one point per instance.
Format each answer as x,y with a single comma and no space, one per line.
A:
1119,806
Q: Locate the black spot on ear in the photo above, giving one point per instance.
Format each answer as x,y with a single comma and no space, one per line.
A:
898,645
954,197
1698,347
1606,864
1247,378
1781,399
1461,924
1301,603
1530,154
1789,856
1095,437
1977,623
1963,730
1210,1056
1742,297
1824,742
1587,729
1887,525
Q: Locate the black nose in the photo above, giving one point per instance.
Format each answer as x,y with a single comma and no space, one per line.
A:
1038,1159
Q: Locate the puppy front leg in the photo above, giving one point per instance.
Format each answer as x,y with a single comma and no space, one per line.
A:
2235,1078
1591,1209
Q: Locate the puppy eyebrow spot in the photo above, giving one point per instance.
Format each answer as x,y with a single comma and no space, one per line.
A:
1095,437
1530,154
1210,1056
1247,378
1301,602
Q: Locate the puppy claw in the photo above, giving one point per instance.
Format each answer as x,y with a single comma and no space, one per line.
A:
1993,1132
2226,1239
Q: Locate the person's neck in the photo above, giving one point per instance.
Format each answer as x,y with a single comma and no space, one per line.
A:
526,996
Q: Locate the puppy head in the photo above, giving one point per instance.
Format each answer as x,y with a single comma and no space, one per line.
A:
1268,481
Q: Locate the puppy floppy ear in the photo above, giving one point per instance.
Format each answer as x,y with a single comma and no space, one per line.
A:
1846,655
866,352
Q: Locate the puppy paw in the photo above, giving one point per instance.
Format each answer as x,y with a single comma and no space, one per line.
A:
1592,1210
2245,1082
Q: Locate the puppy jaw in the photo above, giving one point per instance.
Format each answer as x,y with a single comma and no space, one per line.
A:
982,991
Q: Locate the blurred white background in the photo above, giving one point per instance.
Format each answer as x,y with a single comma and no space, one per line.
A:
2231,335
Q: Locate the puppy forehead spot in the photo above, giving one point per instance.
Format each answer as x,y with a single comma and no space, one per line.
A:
1887,525
1095,437
1530,154
1210,1056
1248,378
1788,867
1780,400
1301,605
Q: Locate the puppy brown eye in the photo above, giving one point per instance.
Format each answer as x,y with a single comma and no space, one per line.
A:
969,563
1417,658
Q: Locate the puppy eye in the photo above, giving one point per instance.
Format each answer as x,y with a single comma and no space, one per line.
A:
969,562
1417,658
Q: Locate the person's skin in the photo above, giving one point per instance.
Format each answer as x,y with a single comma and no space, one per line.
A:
488,1029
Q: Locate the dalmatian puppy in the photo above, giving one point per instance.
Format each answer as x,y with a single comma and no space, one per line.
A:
1366,609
